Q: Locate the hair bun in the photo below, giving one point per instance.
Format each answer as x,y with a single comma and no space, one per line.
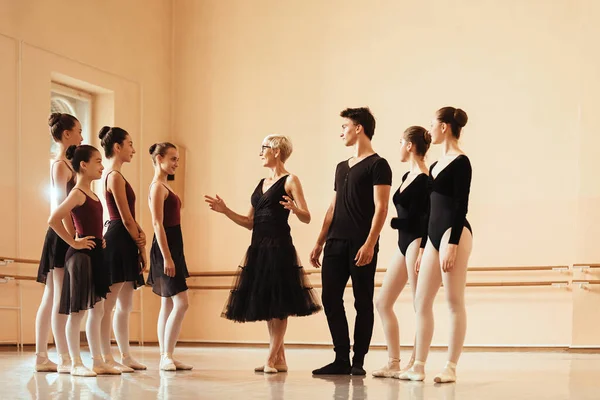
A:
53,119
460,117
427,137
152,148
103,132
71,152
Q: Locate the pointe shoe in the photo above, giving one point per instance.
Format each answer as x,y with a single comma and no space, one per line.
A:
167,364
270,370
408,366
119,367
131,363
64,364
102,368
392,368
46,365
411,374
182,366
447,375
106,370
81,370
278,367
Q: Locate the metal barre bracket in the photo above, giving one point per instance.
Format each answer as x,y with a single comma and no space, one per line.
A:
560,285
582,285
560,269
6,279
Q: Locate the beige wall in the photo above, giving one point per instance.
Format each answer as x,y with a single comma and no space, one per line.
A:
586,300
246,69
118,51
525,71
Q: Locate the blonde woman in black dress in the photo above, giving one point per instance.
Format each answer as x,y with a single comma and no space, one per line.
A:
271,284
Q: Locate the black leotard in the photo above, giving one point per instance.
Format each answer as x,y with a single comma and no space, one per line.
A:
411,204
449,201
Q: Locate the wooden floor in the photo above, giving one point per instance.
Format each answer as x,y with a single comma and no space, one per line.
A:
227,373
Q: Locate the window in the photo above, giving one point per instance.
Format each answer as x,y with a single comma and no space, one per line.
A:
64,99
78,103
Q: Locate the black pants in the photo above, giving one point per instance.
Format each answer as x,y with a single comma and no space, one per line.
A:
338,266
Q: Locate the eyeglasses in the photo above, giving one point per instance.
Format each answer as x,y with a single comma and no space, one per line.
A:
263,148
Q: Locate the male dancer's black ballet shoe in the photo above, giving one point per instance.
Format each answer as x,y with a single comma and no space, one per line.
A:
357,365
358,370
338,367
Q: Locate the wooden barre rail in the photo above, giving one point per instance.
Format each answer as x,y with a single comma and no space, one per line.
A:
525,268
7,277
585,266
19,260
310,271
213,274
378,284
318,270
18,277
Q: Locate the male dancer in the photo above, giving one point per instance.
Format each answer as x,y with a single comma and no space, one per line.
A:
351,228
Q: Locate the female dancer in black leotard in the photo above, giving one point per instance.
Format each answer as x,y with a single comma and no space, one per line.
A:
450,240
271,284
86,281
168,269
125,253
66,131
411,201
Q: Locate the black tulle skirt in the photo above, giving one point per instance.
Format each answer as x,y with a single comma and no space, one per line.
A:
53,255
162,284
121,255
86,281
270,284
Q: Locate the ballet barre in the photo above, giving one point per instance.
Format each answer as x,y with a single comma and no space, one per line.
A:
485,269
562,284
5,278
585,267
212,287
8,277
310,271
583,283
14,260
212,274
519,269
495,284
11,277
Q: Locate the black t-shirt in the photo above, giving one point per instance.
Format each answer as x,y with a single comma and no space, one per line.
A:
354,200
